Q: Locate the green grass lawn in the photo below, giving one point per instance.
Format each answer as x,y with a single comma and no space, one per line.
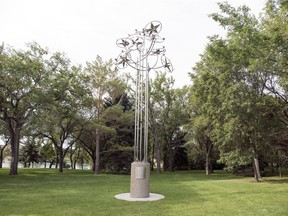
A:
76,192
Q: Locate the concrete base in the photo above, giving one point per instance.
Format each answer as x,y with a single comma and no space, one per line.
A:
140,180
127,197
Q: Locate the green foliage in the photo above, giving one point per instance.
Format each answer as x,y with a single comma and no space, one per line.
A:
22,77
168,113
61,113
239,85
30,152
117,151
47,152
105,83
235,111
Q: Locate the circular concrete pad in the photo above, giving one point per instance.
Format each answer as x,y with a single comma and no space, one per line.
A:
152,197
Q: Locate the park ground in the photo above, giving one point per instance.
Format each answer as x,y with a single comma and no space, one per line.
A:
37,192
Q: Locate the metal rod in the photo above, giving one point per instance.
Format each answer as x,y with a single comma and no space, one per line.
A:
146,112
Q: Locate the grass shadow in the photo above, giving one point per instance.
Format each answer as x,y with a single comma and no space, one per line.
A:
277,181
198,175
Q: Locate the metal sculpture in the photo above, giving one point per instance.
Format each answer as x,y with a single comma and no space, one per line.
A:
141,52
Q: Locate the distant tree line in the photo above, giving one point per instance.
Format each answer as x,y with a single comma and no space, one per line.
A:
234,114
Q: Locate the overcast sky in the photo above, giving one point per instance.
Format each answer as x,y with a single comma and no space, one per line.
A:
84,29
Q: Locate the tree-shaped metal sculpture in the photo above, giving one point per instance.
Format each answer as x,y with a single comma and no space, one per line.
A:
141,51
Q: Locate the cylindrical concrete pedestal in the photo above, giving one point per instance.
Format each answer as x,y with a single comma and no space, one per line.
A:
140,180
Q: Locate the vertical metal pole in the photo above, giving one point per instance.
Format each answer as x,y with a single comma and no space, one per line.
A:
136,158
146,111
141,111
138,125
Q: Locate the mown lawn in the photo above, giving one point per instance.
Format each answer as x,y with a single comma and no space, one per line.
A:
76,192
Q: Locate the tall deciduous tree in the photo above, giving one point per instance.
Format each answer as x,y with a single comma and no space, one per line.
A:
167,116
232,88
274,26
22,74
63,111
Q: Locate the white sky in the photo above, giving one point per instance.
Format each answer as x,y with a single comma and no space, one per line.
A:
86,28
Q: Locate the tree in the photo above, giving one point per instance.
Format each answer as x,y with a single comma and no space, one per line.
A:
119,115
167,116
199,141
22,74
116,149
30,151
103,81
87,141
63,112
47,153
274,62
231,88
275,54
241,86
200,127
280,152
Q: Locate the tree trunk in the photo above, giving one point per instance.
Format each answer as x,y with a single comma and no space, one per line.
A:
255,169
211,169
56,164
93,161
207,163
57,158
97,152
257,166
77,158
172,153
74,165
93,166
280,171
15,141
170,158
152,156
208,153
2,152
97,135
61,160
158,158
1,157
71,158
51,164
